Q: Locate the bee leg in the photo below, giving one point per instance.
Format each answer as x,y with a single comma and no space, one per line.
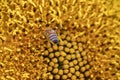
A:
59,37
51,42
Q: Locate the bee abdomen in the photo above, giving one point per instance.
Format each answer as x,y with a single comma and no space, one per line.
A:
53,38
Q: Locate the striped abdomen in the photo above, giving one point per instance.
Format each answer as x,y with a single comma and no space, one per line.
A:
52,36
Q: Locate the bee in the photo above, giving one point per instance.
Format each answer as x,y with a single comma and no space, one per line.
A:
51,35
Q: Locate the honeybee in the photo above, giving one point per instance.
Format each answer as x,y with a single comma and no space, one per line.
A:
51,35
